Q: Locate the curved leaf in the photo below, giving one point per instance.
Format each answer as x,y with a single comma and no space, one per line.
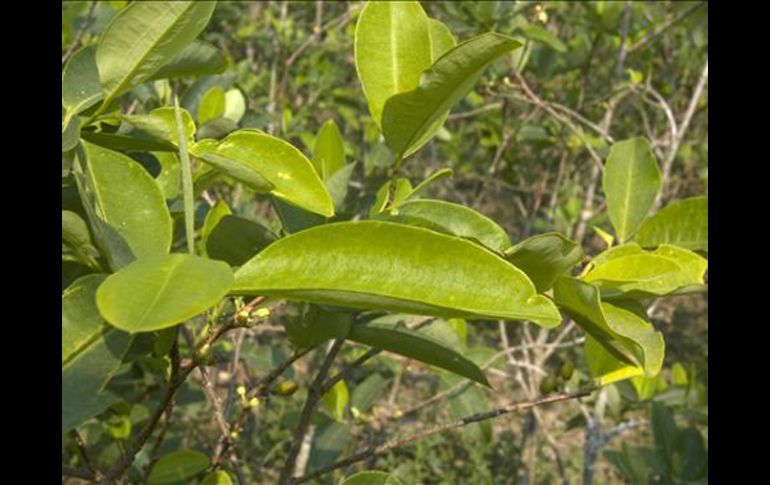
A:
263,161
620,331
178,466
451,218
545,257
80,87
197,59
142,38
441,39
236,239
160,124
683,223
372,478
217,478
392,48
212,105
335,400
125,206
81,323
396,338
235,105
408,116
75,234
328,150
422,187
631,182
394,267
159,292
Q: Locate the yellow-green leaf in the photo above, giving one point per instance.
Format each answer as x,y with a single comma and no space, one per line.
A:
684,223
394,267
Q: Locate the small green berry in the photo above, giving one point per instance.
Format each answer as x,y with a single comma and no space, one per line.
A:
567,369
549,384
285,388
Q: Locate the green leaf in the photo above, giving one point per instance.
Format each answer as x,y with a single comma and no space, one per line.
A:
197,59
664,431
212,105
169,178
450,218
142,38
91,354
409,116
366,393
441,39
544,36
372,478
335,400
422,187
80,88
396,338
125,206
631,182
269,164
70,134
684,223
177,466
605,367
75,234
387,197
235,105
329,441
160,124
81,323
313,325
629,271
132,140
545,257
392,48
328,150
236,239
620,331
337,185
394,267
217,478
213,216
159,292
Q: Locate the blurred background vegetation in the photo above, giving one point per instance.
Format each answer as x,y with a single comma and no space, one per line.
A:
524,147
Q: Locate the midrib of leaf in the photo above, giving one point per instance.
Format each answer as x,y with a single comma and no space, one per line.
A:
627,196
394,52
137,45
158,293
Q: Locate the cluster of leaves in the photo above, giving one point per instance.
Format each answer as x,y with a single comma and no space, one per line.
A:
130,193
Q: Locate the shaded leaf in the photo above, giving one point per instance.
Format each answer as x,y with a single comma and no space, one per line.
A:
236,239
197,59
545,257
396,338
372,478
328,150
80,87
212,105
177,466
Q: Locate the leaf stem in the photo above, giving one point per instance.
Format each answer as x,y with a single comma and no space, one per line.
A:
187,183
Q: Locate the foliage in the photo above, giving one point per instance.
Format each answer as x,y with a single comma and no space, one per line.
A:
232,204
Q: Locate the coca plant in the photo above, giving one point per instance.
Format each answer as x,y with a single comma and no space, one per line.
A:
147,290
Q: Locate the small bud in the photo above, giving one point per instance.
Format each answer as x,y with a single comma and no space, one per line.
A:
234,435
567,369
285,388
261,313
242,318
241,391
254,402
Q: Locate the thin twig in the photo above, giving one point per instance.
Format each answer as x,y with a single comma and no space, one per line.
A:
97,474
647,38
314,395
440,428
79,36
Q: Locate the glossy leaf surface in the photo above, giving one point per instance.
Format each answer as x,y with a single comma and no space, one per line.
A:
545,257
328,150
684,223
631,182
394,267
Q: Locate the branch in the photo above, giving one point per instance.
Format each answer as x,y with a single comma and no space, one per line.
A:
647,38
80,33
314,395
440,428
